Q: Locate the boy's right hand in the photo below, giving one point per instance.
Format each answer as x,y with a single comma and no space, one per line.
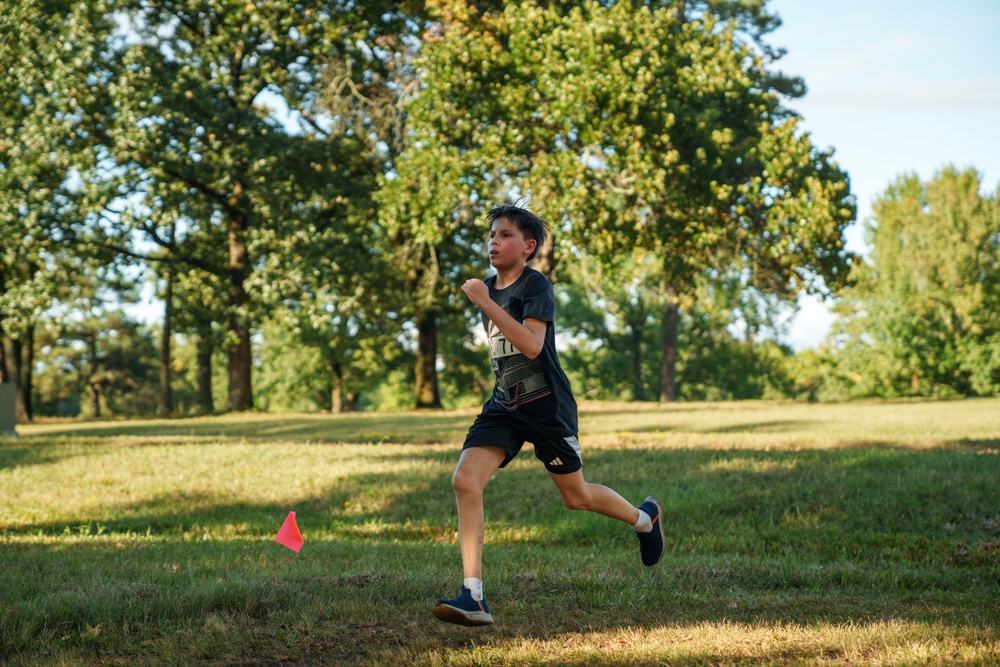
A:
477,291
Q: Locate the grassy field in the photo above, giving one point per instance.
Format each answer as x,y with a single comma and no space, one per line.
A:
864,533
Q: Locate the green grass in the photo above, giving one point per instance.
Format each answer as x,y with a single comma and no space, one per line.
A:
798,534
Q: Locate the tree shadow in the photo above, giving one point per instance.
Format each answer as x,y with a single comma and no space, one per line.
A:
804,495
15,453
353,428
977,443
784,426
808,537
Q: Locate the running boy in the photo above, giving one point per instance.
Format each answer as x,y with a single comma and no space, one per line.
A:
533,402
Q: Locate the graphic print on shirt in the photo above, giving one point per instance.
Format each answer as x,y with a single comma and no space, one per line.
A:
519,379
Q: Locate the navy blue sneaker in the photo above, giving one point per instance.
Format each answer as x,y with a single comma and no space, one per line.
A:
652,544
463,610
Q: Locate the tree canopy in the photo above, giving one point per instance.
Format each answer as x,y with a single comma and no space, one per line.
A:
631,126
924,310
205,169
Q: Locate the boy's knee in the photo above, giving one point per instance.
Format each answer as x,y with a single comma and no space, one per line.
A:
576,501
458,481
463,482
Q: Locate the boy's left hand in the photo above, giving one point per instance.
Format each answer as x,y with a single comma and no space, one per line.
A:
477,291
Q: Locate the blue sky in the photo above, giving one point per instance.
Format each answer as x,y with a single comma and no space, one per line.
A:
895,87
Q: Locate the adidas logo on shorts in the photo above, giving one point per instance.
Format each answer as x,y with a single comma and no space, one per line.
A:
556,462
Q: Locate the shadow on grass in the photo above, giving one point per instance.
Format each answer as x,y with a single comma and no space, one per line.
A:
717,501
421,494
238,602
354,428
785,426
982,443
14,453
815,536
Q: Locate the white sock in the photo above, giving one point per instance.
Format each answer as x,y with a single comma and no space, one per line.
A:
644,524
476,586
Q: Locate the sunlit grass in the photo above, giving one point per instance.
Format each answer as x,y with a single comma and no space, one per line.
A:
860,533
728,643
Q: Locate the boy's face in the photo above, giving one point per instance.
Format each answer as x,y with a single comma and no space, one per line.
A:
508,247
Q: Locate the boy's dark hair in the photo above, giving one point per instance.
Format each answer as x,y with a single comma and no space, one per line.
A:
532,226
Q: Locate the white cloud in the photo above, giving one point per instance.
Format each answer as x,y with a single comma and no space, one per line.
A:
909,96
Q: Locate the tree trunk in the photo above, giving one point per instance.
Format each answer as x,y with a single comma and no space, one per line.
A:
545,260
23,357
166,394
203,360
240,362
638,391
95,401
27,384
337,389
426,366
4,367
92,385
17,370
668,368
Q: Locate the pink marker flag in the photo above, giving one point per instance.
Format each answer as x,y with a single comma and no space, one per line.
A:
289,534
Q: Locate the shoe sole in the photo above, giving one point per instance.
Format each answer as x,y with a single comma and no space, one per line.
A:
658,525
449,614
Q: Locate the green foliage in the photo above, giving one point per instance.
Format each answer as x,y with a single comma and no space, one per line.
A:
292,377
301,370
216,178
815,376
614,318
107,361
632,127
49,56
635,128
184,361
393,393
922,318
725,369
467,377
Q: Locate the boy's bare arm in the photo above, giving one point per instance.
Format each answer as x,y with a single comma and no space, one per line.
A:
528,337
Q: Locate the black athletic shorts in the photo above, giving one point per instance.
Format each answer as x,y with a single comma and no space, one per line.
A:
561,456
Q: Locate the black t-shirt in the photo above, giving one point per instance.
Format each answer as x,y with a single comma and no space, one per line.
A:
533,391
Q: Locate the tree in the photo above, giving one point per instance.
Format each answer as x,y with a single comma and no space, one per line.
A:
612,313
343,316
923,314
436,241
427,244
200,306
630,126
192,124
50,57
97,350
105,357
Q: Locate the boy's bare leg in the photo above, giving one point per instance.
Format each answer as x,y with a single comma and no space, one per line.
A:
475,468
578,494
